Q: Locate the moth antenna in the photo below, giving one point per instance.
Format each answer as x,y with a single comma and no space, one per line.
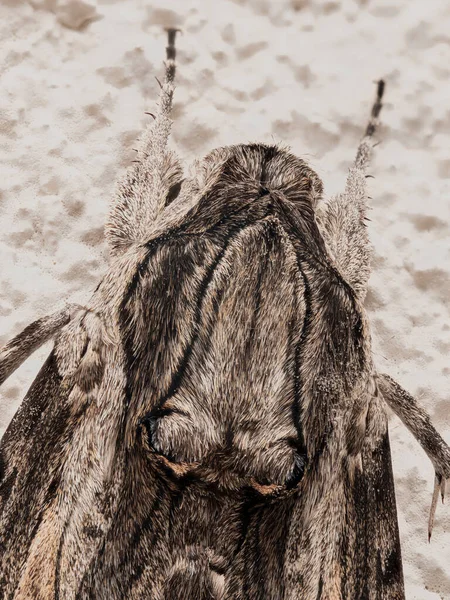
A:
171,54
376,109
343,219
158,132
364,152
30,339
145,190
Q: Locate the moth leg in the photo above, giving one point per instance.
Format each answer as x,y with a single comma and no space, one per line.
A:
154,179
419,424
342,218
30,339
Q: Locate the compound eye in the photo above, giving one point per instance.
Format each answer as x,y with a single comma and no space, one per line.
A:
164,427
298,470
267,488
151,422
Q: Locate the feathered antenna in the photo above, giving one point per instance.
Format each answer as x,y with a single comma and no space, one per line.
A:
364,151
158,132
171,54
148,186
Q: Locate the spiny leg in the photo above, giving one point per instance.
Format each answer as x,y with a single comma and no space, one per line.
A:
419,424
342,218
438,483
30,339
154,179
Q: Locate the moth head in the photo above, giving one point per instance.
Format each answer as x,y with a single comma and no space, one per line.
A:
259,169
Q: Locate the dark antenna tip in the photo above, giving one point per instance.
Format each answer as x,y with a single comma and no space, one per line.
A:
173,30
380,88
378,104
170,49
376,108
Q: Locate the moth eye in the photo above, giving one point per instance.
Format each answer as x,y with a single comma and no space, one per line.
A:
298,470
150,423
173,192
160,426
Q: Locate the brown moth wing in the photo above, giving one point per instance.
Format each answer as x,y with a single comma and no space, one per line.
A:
286,547
350,548
369,549
377,561
29,469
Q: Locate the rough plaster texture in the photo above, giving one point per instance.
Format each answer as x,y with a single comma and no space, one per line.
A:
76,79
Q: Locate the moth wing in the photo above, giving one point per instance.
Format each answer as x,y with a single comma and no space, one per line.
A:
33,451
376,558
28,456
366,563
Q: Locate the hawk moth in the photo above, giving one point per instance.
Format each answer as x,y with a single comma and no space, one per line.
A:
211,424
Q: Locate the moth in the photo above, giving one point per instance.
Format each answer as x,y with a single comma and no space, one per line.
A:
211,425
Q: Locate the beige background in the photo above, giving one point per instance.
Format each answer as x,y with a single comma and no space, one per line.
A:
75,81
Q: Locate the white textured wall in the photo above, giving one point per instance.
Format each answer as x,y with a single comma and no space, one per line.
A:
75,81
